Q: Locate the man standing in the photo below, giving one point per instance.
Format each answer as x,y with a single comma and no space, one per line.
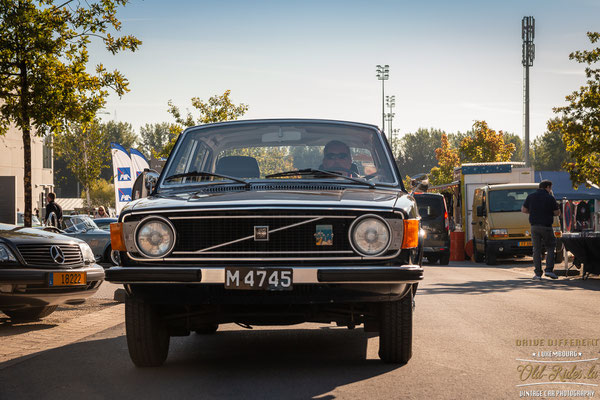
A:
53,211
542,208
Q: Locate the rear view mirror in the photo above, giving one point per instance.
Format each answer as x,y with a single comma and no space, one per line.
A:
480,211
144,184
282,136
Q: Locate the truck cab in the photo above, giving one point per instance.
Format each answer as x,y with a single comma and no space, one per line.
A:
499,227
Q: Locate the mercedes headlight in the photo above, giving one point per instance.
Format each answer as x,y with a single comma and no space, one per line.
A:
370,235
155,237
6,255
88,254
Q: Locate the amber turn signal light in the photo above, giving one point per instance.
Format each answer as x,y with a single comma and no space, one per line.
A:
411,234
116,236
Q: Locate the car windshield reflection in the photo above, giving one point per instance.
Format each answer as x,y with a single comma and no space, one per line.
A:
78,223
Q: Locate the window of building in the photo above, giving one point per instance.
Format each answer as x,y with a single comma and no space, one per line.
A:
47,152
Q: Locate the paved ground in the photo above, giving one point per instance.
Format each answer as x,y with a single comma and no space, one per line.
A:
473,326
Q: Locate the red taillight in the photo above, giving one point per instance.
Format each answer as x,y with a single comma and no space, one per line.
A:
446,220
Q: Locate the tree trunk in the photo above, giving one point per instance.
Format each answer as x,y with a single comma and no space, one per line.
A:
25,126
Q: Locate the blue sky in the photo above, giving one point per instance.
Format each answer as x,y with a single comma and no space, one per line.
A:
450,62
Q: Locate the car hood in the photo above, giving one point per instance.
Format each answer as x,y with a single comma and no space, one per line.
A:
20,235
359,198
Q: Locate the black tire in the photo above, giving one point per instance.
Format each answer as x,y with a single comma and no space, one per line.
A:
30,314
477,256
490,256
207,329
445,259
395,335
111,257
147,335
432,258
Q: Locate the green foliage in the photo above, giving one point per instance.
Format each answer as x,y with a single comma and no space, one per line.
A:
82,146
154,138
306,156
448,159
519,152
217,109
485,145
579,120
549,150
44,79
270,159
417,151
120,132
102,193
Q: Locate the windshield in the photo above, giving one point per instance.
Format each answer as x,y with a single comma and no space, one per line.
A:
508,200
78,223
255,150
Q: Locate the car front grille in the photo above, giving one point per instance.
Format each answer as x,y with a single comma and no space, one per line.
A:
39,255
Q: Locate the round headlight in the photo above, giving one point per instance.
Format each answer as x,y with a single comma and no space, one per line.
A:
370,236
155,237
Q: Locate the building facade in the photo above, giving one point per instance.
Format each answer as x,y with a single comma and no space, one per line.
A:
12,195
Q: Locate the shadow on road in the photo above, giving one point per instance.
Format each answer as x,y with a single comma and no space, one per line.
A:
278,364
506,285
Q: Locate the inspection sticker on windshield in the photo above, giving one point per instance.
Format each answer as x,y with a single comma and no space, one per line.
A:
324,235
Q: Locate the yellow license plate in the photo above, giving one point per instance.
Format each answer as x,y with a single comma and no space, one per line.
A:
67,278
524,244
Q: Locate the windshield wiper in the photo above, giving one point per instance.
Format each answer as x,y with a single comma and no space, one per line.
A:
312,171
203,173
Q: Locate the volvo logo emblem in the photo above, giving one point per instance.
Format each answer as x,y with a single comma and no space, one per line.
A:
57,254
261,233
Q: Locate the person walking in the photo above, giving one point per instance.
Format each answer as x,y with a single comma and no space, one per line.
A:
542,208
53,211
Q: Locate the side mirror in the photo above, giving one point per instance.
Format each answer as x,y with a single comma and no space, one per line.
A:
481,211
144,184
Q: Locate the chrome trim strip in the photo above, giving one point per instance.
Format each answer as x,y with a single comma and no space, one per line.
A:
270,252
252,237
265,207
265,259
262,216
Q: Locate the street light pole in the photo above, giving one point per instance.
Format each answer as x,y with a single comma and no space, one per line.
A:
391,103
527,34
383,74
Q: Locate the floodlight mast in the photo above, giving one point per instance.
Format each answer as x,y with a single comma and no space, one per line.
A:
527,34
383,74
390,101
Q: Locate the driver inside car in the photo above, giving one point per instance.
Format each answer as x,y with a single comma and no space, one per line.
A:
337,158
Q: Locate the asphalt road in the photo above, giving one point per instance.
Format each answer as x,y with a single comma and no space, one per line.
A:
472,325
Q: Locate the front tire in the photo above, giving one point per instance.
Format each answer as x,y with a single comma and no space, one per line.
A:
30,314
490,256
395,335
147,335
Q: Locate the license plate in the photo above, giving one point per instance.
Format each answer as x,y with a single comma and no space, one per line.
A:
245,278
67,279
524,244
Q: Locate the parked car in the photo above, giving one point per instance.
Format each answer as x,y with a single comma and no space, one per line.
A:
270,222
436,224
40,270
500,229
104,223
35,221
83,227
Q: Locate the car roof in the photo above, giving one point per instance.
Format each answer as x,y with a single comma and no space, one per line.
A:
284,120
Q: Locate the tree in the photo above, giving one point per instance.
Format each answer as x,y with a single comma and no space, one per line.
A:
448,159
120,132
102,193
217,109
549,150
519,152
44,82
418,151
154,137
82,147
485,145
579,121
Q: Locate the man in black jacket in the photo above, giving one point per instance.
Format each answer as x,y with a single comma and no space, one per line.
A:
53,211
542,208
